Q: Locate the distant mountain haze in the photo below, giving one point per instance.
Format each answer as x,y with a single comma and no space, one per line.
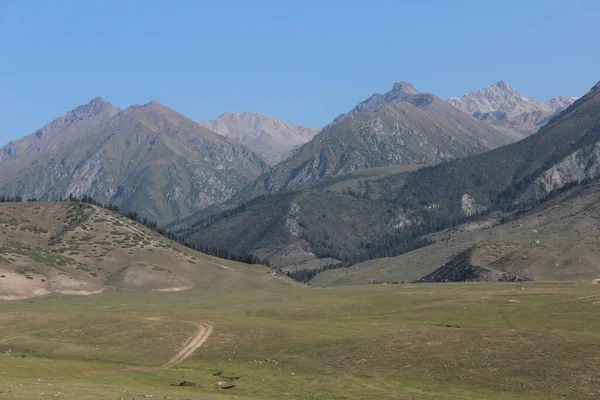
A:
501,105
273,139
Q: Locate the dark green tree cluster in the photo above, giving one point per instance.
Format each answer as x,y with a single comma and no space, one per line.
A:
306,275
8,199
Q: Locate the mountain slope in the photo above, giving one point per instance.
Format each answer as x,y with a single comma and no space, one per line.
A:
402,127
556,240
293,229
271,138
69,128
501,105
562,152
412,204
403,92
80,249
148,159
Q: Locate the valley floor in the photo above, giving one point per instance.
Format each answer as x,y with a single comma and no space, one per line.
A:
427,341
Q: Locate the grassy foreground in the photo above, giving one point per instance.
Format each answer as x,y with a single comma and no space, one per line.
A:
428,341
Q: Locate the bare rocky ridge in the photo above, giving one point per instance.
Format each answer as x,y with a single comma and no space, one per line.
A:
148,159
273,139
64,130
503,106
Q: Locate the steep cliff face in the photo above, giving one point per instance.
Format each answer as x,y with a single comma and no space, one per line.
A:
148,159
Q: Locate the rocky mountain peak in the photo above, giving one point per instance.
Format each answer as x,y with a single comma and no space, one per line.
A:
73,125
503,85
405,87
94,107
502,105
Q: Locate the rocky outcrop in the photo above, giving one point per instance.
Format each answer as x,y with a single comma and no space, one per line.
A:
469,205
576,167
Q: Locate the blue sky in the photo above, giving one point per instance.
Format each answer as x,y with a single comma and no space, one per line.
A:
300,61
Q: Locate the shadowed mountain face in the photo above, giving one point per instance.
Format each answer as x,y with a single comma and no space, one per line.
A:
147,158
503,106
273,139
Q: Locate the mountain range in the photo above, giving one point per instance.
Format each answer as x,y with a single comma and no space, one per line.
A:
503,106
273,139
411,205
147,158
377,181
400,127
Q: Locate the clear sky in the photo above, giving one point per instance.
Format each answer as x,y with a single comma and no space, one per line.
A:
300,61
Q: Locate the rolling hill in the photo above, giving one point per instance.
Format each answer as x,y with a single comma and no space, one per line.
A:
148,159
81,249
273,139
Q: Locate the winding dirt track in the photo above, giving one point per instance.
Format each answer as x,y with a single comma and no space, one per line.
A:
190,345
205,329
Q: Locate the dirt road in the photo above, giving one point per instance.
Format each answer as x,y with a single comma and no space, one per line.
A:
204,331
190,345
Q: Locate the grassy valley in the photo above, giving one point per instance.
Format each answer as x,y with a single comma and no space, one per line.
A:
434,341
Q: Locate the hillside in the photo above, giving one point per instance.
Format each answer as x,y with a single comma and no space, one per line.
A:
80,249
561,153
146,158
503,106
273,139
556,240
295,230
